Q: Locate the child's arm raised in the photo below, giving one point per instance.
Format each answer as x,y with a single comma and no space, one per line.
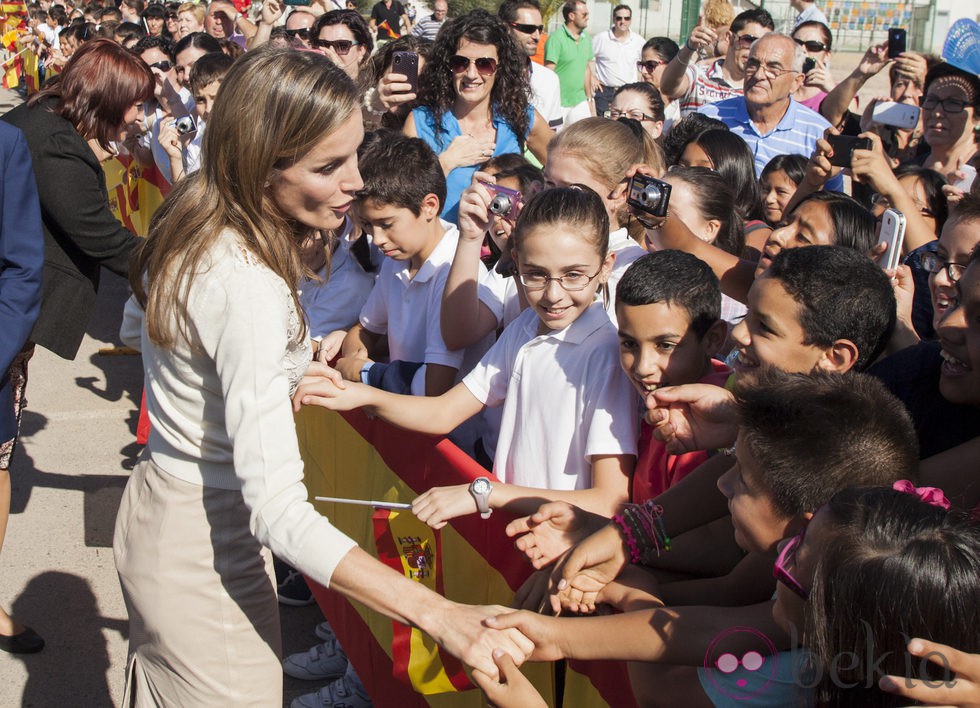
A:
464,319
431,415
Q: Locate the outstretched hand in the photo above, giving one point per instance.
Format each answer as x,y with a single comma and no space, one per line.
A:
551,531
581,575
962,692
692,417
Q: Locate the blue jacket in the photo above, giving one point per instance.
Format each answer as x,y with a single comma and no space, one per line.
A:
21,261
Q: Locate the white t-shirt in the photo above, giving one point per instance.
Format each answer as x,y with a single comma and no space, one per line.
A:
546,95
615,61
565,399
335,302
219,404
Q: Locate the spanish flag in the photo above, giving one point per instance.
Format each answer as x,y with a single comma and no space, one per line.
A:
471,560
392,34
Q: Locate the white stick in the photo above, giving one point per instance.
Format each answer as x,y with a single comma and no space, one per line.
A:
366,502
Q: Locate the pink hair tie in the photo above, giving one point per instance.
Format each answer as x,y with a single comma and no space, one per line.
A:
930,495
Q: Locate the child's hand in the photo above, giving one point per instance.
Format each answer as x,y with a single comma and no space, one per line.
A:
533,593
323,386
169,138
543,631
330,347
962,692
550,531
512,689
818,169
474,208
350,367
440,504
692,417
594,563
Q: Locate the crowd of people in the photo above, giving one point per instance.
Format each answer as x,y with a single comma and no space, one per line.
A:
643,282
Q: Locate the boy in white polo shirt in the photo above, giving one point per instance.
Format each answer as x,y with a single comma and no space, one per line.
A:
404,189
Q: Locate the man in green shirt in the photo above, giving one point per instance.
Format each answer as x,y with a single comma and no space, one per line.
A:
568,52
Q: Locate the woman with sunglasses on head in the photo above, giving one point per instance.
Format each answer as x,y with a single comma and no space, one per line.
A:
474,101
344,37
816,41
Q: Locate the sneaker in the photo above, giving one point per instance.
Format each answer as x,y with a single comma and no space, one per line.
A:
325,661
325,632
291,587
345,692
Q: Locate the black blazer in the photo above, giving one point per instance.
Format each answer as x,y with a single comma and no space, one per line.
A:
21,259
80,232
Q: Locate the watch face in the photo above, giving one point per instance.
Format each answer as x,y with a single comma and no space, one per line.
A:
481,486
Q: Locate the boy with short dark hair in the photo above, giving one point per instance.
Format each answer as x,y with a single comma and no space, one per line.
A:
399,205
205,80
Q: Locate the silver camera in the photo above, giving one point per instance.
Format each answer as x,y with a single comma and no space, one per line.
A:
649,195
185,125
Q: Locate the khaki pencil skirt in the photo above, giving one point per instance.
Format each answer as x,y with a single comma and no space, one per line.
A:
199,589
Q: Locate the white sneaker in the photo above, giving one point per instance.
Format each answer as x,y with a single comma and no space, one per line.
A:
325,661
324,631
345,692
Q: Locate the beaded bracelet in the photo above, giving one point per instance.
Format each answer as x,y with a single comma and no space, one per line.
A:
644,531
629,537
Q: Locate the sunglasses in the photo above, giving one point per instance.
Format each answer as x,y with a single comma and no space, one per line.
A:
304,33
812,45
786,556
163,66
649,65
622,18
341,46
527,29
485,66
171,16
745,40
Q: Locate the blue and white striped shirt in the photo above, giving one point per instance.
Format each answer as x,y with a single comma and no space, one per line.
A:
797,132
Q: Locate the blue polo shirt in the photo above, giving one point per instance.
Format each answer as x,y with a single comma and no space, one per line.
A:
796,133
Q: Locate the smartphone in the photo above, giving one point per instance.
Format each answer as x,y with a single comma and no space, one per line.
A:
896,41
407,63
897,115
809,64
893,234
844,147
969,174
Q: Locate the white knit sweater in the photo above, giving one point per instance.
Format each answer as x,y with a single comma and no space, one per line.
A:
219,404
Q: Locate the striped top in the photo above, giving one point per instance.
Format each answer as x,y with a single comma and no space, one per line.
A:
795,134
706,85
427,28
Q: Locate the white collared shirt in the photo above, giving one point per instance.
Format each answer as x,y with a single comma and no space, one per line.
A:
615,61
565,399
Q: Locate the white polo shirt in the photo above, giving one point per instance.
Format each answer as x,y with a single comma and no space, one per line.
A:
546,95
407,309
627,250
335,302
615,61
565,399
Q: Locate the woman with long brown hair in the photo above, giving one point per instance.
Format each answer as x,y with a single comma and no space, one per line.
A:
216,316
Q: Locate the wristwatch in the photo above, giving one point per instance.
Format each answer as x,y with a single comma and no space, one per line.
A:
480,488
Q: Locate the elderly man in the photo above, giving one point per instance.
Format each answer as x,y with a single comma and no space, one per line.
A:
766,117
696,85
524,19
568,52
616,53
430,26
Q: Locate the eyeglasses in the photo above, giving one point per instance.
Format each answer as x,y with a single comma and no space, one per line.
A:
650,65
527,29
570,282
950,105
745,40
304,33
932,263
616,114
623,18
812,45
163,66
786,556
754,66
485,66
341,46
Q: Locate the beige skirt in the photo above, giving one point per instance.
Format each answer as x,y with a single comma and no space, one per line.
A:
199,589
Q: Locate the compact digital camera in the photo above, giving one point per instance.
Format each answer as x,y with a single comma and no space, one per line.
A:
185,125
648,194
506,203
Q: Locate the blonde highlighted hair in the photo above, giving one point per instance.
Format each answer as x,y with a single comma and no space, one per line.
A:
273,107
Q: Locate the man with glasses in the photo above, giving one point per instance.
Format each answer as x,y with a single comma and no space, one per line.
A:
524,19
697,86
569,53
430,26
766,117
616,52
298,28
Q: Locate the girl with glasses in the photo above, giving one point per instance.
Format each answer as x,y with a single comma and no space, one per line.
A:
815,39
474,101
344,37
569,422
